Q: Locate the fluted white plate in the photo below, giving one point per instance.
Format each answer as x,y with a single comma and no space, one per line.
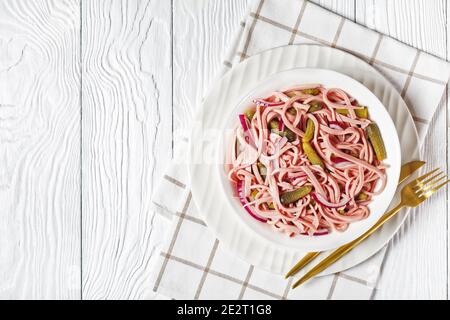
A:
206,148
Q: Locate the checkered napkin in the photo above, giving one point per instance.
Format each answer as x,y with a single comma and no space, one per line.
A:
193,264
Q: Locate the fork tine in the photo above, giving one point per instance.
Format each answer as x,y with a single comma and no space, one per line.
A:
423,183
431,185
429,193
421,178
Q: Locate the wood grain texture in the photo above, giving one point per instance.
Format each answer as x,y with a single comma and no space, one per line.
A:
419,23
416,264
203,30
39,150
126,136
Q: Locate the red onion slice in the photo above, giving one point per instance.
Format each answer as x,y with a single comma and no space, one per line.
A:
247,133
321,232
338,160
324,202
243,121
335,125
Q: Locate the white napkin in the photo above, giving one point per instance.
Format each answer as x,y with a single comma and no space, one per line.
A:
193,264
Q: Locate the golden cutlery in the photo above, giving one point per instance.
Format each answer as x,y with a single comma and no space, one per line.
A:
412,195
406,171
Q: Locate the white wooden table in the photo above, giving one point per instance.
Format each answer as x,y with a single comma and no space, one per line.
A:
91,92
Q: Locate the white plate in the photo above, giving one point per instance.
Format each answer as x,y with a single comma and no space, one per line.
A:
207,189
329,79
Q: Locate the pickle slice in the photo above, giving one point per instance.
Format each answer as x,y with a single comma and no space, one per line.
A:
295,195
309,132
313,157
312,91
315,106
360,113
362,196
289,134
262,169
274,124
250,113
293,94
374,135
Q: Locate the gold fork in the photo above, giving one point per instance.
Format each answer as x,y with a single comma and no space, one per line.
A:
413,194
406,171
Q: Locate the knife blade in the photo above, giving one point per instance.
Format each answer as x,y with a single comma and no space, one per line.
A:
408,169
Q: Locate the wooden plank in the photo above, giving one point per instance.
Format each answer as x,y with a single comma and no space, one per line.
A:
203,30
419,23
416,265
126,137
39,150
202,34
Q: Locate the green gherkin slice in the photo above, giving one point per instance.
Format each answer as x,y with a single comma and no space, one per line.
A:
360,113
249,113
315,106
293,93
289,134
309,132
362,196
274,124
295,195
262,169
374,135
312,91
312,155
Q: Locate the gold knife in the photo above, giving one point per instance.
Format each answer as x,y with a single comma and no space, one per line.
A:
407,170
